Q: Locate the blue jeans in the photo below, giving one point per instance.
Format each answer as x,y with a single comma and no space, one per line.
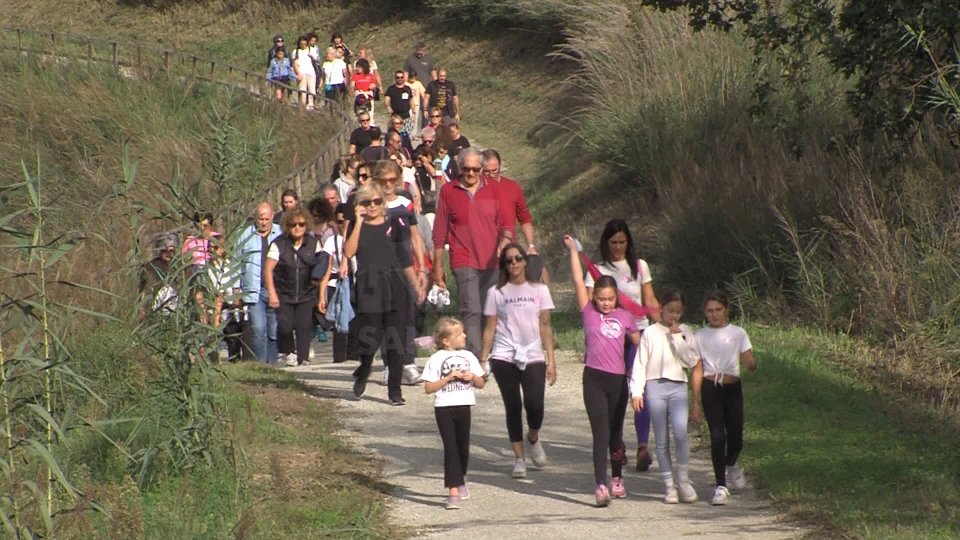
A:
667,401
263,318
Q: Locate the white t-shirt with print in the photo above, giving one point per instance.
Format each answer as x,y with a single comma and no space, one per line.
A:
454,393
303,62
333,246
633,288
720,349
517,308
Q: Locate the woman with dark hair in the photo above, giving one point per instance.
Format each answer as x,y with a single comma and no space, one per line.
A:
197,246
518,341
632,274
305,72
291,259
363,88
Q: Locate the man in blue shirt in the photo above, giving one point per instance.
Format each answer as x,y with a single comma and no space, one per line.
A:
251,250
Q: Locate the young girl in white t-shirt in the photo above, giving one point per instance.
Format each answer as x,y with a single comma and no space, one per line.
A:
722,347
451,374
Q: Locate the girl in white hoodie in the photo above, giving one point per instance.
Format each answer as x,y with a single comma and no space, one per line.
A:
666,349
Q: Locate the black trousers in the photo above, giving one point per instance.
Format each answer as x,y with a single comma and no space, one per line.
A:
723,409
604,395
389,331
521,390
454,426
295,318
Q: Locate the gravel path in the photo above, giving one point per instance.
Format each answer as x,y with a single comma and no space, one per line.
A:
557,501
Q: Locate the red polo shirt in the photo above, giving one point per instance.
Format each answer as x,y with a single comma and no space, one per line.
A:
514,204
472,224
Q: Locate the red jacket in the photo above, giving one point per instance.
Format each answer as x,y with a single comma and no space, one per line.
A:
514,204
472,225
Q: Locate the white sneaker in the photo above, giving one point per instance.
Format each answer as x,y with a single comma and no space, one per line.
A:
311,354
537,454
519,468
670,495
386,374
720,496
411,374
292,360
735,477
686,492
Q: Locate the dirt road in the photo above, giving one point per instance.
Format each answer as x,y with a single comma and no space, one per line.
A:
556,502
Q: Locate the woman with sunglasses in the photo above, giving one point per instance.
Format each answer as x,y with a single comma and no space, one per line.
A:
291,259
518,342
386,285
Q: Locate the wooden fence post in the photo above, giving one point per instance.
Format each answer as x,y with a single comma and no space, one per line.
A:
193,71
213,68
19,44
53,45
166,62
113,53
89,51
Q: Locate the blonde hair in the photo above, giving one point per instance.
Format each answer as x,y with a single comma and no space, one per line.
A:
444,329
368,191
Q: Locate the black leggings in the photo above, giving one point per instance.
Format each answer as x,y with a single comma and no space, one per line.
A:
295,318
510,380
604,395
454,425
723,409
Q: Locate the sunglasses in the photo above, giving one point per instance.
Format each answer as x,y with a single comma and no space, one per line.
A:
299,224
386,179
362,120
374,202
434,116
514,259
364,175
398,78
470,169
429,141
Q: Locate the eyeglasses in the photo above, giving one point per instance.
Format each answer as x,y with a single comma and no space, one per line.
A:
434,116
491,172
388,178
473,170
362,120
400,78
429,141
515,259
374,202
299,224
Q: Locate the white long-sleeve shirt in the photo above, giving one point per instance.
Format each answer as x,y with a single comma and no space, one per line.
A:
663,355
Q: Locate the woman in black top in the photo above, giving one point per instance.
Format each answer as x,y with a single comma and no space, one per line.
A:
386,284
293,293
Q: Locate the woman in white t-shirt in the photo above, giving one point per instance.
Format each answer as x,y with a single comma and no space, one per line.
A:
518,343
305,72
619,260
335,73
722,347
451,374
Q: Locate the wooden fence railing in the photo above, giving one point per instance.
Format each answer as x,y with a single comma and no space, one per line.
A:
147,63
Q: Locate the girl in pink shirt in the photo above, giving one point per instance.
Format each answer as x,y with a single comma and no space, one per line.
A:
606,329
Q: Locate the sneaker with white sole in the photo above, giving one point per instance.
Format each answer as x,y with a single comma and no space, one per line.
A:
686,492
292,360
386,375
537,455
519,468
670,495
602,495
453,503
617,489
735,477
720,496
411,376
464,491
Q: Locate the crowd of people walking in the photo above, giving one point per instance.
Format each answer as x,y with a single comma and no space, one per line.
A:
365,261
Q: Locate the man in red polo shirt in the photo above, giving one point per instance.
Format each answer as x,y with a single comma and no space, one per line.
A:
513,203
470,220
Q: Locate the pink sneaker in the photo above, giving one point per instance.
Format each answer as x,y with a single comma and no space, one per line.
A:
603,496
617,489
